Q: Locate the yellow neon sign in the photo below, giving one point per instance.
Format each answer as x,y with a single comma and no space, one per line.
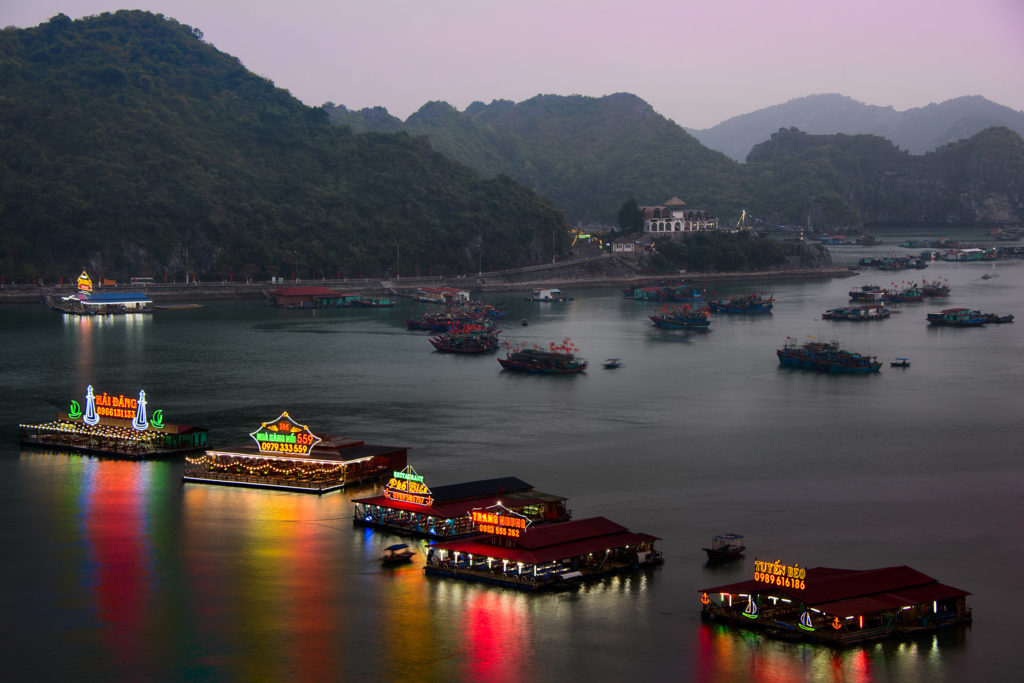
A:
781,575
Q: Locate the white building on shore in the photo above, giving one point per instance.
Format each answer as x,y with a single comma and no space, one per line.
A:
673,218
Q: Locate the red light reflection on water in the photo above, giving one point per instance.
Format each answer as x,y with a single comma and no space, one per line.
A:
497,635
114,523
724,654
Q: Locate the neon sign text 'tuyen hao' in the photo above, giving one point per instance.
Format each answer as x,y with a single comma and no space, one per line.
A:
406,488
498,524
781,575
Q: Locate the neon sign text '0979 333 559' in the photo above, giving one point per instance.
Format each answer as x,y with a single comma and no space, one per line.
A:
285,436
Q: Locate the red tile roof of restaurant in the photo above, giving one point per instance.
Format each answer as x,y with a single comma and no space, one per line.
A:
555,541
852,591
459,508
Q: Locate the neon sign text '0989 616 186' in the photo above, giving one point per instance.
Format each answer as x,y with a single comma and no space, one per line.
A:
781,575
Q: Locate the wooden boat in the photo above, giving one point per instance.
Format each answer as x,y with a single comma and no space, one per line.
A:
396,554
466,339
900,363
683,318
868,293
825,357
557,360
687,292
612,363
996,319
908,294
957,317
725,547
744,304
938,288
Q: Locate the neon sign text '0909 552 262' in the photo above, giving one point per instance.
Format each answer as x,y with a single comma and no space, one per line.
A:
498,524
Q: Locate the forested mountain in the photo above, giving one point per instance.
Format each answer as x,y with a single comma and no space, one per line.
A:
586,154
126,141
917,130
590,154
128,145
856,179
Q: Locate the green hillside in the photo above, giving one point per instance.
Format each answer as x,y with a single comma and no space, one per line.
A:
588,155
127,145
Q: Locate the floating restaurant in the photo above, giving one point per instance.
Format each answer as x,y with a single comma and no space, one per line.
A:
287,455
409,506
308,297
510,550
85,301
117,426
836,606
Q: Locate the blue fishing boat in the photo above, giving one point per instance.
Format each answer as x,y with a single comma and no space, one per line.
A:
743,304
825,357
957,317
683,318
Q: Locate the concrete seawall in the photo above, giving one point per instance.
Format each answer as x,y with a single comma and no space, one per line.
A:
581,274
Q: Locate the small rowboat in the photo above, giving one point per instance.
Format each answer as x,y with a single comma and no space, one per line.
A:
397,553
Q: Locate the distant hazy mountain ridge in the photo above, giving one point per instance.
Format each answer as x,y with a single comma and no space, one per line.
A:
917,130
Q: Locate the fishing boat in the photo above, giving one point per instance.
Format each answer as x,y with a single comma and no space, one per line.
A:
466,339
908,294
612,363
938,288
686,292
857,313
396,554
644,293
868,293
900,363
957,317
825,357
743,304
996,319
682,317
562,359
725,547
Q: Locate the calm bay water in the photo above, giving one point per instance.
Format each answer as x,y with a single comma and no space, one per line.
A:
118,570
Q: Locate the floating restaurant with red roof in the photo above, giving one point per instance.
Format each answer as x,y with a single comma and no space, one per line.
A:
408,506
115,426
510,550
287,455
836,606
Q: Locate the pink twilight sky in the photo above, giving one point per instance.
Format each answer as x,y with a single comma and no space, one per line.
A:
697,62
